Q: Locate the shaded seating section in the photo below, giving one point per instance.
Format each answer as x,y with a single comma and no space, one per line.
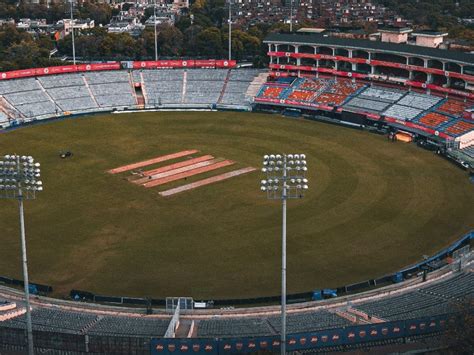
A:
239,81
59,81
70,95
469,151
3,118
433,119
32,103
48,319
403,113
235,92
459,127
106,77
308,322
204,86
233,327
27,97
137,326
111,89
163,86
18,85
405,306
366,105
419,101
301,322
457,287
374,99
436,299
246,75
454,107
382,94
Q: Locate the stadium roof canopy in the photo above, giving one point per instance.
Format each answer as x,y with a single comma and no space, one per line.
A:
402,49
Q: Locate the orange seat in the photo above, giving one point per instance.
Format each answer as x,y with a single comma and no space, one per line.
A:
433,119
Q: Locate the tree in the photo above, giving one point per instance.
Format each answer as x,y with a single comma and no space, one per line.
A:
209,43
190,38
170,41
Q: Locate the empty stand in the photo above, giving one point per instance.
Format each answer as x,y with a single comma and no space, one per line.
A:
459,127
308,322
234,327
434,120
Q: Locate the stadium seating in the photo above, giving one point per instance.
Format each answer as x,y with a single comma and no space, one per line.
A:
457,287
308,322
141,326
11,86
106,77
330,99
459,127
469,151
209,75
313,84
439,298
50,319
419,101
61,93
272,92
404,113
366,105
433,119
56,81
454,107
234,327
382,94
405,306
301,95
77,104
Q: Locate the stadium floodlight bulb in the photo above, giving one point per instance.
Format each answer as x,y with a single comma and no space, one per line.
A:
266,157
263,188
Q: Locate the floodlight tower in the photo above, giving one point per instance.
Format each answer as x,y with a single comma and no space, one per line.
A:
19,179
230,30
285,179
156,36
72,33
291,15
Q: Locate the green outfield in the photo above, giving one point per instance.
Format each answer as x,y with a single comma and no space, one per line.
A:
373,207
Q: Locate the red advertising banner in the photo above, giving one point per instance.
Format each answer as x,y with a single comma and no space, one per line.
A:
201,63
26,73
207,63
226,63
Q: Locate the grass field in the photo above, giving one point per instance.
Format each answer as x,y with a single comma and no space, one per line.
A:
372,208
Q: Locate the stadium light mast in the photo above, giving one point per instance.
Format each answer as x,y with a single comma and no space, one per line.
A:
19,179
285,179
230,30
72,33
291,15
156,37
